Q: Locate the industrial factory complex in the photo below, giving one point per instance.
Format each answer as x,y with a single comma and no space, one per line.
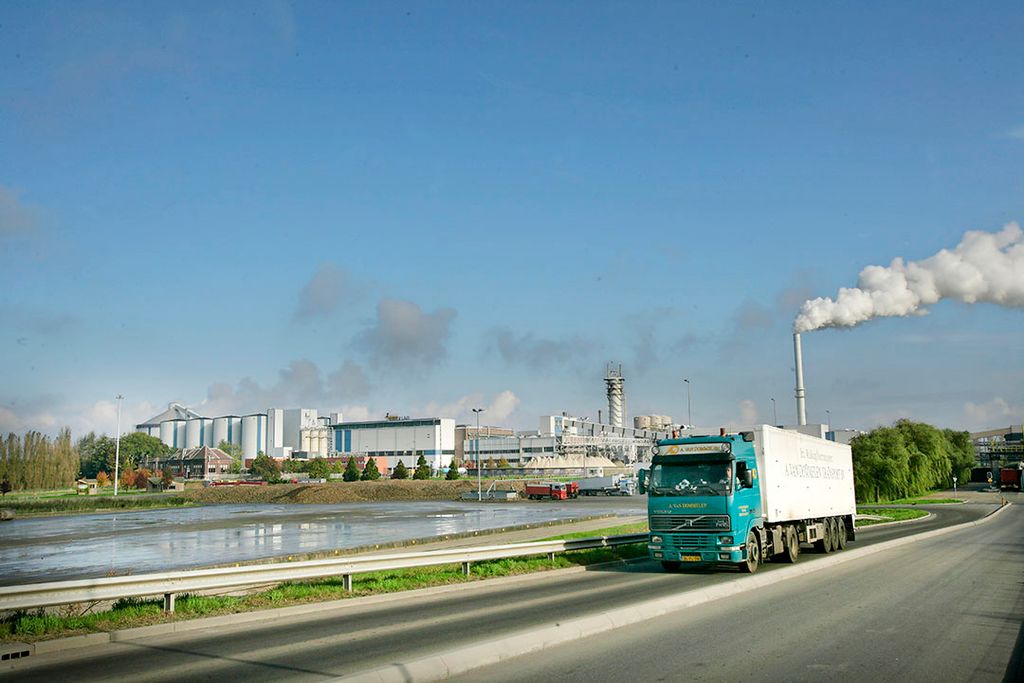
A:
560,441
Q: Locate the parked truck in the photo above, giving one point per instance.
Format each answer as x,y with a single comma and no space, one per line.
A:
554,490
1009,478
740,499
615,485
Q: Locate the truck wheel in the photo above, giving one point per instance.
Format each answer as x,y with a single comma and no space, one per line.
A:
843,537
670,565
753,560
835,534
824,545
792,551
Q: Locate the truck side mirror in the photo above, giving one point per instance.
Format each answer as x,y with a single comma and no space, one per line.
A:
748,479
641,481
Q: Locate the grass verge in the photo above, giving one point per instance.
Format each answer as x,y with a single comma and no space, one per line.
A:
923,501
131,613
38,507
887,515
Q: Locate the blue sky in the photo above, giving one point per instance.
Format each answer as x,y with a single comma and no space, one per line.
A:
423,207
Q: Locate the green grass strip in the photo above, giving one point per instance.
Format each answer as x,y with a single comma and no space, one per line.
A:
924,501
888,515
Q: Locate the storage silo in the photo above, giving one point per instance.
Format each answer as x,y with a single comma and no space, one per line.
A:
206,432
253,434
167,433
220,430
179,434
194,432
234,429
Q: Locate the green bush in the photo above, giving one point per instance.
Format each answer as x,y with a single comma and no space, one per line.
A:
400,471
422,469
351,472
370,471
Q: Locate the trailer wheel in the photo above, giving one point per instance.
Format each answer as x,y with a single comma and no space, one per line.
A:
843,536
670,565
824,545
836,524
753,560
792,551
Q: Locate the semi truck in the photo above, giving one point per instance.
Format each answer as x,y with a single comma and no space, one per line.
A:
555,490
615,485
740,499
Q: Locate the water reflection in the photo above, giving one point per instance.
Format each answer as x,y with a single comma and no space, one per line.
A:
49,549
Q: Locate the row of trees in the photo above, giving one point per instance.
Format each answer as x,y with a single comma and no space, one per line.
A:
36,461
268,469
909,459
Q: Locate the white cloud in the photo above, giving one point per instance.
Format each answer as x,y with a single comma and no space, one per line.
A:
326,291
499,409
53,415
16,217
403,335
993,414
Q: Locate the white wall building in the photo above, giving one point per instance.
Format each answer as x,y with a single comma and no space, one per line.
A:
399,438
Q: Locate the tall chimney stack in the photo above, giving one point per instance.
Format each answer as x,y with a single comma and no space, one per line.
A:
801,406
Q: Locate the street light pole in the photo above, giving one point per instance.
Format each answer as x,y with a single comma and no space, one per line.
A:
117,445
775,415
689,414
479,492
829,414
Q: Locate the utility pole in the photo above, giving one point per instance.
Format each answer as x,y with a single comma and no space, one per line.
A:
117,445
775,415
479,490
689,414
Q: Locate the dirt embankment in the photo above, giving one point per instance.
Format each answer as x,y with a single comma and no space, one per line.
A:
340,492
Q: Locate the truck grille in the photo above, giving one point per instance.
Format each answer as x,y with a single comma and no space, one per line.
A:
690,542
684,523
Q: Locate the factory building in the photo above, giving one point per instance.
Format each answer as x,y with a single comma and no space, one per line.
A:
278,432
398,438
566,437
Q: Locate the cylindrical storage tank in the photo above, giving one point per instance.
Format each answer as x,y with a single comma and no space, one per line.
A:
194,433
206,432
179,434
220,431
234,429
167,432
254,435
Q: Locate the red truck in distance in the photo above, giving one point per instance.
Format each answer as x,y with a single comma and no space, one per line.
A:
555,490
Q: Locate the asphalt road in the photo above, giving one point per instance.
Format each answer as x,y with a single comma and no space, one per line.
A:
368,634
945,609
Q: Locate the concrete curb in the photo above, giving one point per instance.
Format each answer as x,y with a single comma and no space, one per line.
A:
477,655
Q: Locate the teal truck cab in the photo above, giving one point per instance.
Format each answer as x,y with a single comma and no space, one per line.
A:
743,498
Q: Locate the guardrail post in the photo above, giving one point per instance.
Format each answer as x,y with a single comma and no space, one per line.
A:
465,568
551,557
168,602
346,582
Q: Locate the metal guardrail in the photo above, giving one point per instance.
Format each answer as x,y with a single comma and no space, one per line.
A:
169,584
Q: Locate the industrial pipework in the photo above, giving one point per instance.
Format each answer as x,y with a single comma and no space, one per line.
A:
801,405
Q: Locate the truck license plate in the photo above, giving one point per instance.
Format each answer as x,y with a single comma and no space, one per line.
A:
691,558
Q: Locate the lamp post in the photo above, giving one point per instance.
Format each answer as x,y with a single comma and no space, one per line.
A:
689,414
775,415
828,414
117,445
479,492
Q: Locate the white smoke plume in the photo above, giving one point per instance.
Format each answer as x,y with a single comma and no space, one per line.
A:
986,267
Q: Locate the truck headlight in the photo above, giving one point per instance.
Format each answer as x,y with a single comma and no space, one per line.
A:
725,540
655,539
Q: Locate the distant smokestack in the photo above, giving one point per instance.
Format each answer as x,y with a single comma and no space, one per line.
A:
614,380
801,406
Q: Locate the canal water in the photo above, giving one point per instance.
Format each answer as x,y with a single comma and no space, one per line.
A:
138,542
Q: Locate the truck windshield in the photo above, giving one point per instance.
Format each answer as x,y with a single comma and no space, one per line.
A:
692,479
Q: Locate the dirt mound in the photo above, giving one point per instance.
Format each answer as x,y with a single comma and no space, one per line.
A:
341,492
